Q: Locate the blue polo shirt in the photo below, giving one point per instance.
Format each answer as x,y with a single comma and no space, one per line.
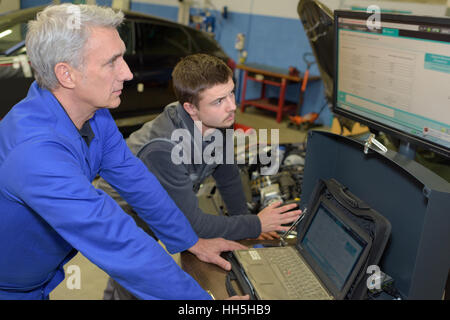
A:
49,209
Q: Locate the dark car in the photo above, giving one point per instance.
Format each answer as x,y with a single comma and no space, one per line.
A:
154,46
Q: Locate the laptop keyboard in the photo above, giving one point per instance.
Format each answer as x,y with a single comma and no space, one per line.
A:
298,280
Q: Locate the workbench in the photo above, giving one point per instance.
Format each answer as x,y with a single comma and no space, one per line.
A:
267,75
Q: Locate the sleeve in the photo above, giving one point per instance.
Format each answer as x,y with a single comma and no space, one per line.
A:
175,179
141,190
48,179
230,186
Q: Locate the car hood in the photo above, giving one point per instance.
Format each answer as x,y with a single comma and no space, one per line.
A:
317,20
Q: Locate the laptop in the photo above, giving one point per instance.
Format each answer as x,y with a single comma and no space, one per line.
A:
330,251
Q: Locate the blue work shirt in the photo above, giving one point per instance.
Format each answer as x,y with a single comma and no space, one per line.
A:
49,209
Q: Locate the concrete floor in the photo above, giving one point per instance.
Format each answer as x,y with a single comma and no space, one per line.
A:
92,284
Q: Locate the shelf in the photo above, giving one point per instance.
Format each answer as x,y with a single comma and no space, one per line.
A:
265,104
267,75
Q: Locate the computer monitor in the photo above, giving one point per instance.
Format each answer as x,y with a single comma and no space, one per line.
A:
395,77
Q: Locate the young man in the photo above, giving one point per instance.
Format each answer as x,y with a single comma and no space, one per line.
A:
204,88
54,143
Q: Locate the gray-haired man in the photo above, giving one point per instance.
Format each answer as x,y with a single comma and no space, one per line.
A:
55,142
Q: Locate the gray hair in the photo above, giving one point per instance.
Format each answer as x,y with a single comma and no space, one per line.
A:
59,33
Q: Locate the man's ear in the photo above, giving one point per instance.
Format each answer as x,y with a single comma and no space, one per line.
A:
190,109
65,75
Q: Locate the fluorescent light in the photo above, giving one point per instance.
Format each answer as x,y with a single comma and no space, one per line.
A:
5,33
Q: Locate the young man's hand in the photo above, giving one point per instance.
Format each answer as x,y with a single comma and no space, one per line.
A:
273,216
268,236
209,250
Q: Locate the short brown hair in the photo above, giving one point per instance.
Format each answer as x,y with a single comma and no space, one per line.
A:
196,73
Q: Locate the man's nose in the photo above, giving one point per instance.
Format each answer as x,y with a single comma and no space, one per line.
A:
126,73
232,104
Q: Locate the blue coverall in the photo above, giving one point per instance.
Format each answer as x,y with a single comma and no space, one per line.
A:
49,209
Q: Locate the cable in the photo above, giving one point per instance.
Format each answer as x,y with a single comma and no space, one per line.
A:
321,109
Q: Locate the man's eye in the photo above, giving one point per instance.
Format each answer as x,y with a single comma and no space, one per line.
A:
112,62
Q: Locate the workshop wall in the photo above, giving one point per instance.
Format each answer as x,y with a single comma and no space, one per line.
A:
274,36
273,33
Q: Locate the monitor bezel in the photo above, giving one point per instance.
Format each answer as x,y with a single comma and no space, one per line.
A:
403,136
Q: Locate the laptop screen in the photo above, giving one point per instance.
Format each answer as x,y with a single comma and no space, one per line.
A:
333,245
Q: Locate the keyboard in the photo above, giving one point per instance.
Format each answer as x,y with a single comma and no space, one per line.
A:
296,277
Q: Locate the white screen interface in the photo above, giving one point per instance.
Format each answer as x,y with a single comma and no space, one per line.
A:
397,75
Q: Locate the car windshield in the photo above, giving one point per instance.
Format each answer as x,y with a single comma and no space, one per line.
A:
12,38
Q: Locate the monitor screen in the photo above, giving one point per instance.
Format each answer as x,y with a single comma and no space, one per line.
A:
333,245
395,77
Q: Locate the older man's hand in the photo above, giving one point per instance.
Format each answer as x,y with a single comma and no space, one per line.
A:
209,250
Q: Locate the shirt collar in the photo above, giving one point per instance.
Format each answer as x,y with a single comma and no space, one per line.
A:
87,133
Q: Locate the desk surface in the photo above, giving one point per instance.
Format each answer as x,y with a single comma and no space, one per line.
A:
211,277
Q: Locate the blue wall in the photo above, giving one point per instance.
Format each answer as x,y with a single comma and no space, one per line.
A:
278,42
274,41
166,12
33,3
